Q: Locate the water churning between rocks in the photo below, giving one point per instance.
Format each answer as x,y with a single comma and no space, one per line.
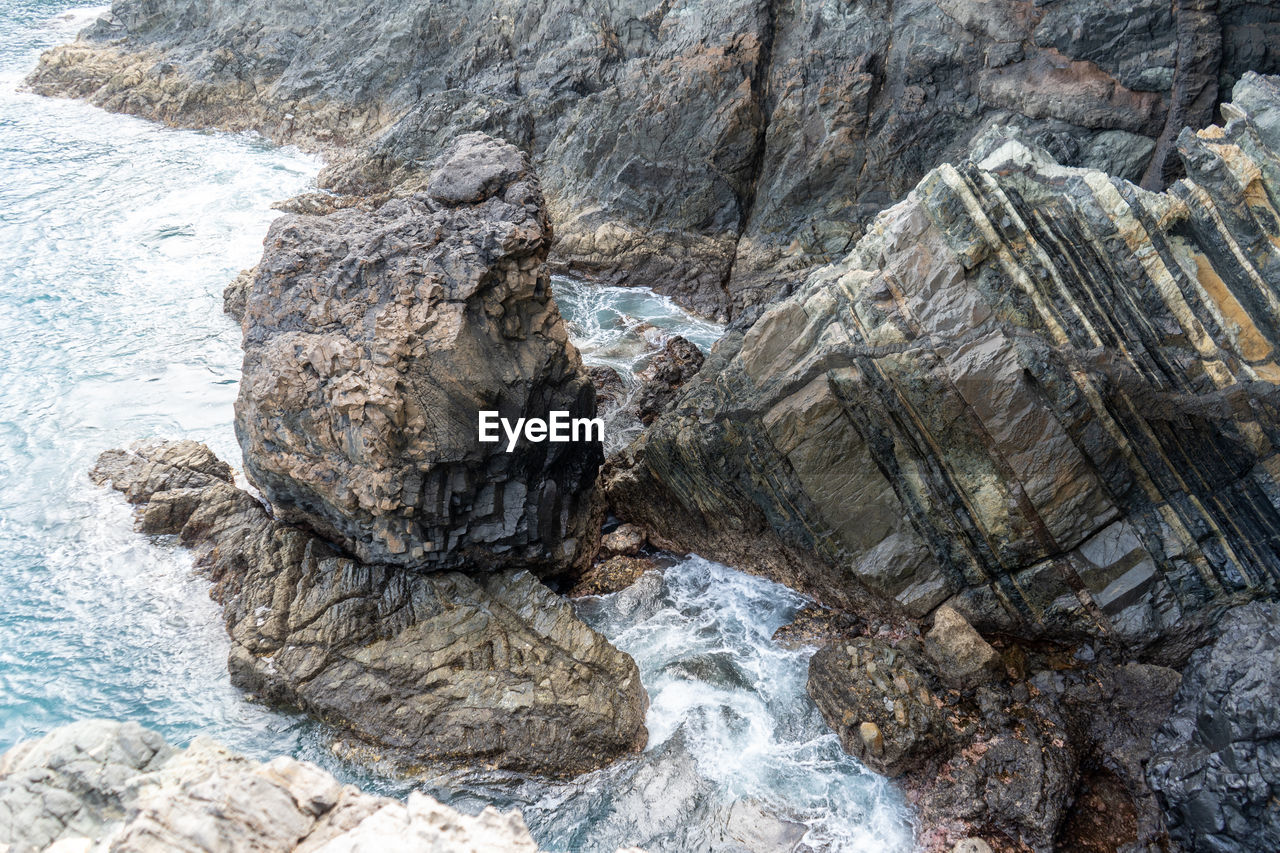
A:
118,236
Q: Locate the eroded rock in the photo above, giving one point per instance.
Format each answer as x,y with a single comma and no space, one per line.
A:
717,149
1038,394
119,788
434,667
1217,759
373,338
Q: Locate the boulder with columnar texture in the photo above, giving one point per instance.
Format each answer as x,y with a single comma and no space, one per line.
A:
1039,394
716,149
119,788
425,667
372,341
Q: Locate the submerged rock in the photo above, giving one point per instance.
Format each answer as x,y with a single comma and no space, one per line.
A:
427,667
714,148
373,339
1038,394
119,787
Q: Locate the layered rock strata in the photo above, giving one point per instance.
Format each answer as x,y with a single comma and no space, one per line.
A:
374,337
493,669
117,787
1038,394
714,149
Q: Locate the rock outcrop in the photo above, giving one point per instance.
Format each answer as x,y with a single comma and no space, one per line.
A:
714,149
1039,394
1217,759
119,788
426,667
1012,760
374,337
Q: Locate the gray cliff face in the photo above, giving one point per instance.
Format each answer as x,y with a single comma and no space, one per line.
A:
119,788
1040,394
1217,758
716,150
424,667
374,337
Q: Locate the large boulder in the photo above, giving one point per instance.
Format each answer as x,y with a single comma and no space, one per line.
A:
119,788
1038,394
717,149
1217,759
373,339
425,667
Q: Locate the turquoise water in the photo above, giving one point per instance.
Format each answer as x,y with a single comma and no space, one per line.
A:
116,239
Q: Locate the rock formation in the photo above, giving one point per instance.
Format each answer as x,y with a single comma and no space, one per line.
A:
119,788
1012,759
374,337
1038,394
714,149
1217,758
426,667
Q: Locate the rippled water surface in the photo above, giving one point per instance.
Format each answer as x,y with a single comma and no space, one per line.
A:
116,239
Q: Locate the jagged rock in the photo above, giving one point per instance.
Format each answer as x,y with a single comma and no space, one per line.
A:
875,698
119,788
373,338
236,293
714,148
612,575
435,667
624,541
1217,759
1038,394
960,653
668,371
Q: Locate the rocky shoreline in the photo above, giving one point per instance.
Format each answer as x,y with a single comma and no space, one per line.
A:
782,129
1015,433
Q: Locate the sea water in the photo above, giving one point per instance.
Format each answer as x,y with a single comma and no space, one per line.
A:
116,239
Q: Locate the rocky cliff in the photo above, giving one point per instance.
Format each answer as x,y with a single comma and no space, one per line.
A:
106,786
425,667
1038,393
373,337
714,149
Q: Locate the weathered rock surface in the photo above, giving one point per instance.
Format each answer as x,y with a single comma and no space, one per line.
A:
878,703
675,364
373,338
120,787
715,149
1004,760
959,652
1038,394
428,667
1217,759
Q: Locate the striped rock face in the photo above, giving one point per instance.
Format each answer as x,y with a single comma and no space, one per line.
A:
1037,393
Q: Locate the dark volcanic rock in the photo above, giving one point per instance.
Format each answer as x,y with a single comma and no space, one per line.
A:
372,340
677,363
1217,759
713,148
1039,394
427,667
